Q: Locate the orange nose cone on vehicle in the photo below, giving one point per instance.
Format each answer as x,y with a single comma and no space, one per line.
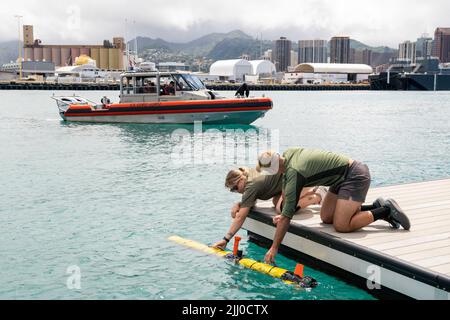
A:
237,239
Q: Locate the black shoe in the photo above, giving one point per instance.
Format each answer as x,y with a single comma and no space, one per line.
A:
380,203
397,215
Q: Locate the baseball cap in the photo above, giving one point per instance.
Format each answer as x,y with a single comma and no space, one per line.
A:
268,163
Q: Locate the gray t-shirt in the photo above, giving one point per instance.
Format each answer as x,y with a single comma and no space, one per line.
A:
261,187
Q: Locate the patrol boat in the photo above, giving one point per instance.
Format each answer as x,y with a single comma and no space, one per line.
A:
164,98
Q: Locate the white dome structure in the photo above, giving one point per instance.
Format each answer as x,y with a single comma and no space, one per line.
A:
231,69
263,67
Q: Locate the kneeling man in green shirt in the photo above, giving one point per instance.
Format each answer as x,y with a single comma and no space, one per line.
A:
349,182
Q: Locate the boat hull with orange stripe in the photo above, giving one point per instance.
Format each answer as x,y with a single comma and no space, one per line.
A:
223,111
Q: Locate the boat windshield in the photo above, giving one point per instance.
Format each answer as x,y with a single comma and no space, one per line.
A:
194,82
182,84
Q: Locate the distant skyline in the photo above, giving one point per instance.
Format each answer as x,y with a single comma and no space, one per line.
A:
380,23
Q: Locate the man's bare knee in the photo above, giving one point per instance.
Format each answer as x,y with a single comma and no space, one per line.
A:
342,228
326,218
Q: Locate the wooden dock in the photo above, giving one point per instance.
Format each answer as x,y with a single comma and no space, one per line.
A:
406,264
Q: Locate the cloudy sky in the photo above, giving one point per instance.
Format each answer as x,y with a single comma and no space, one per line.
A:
381,22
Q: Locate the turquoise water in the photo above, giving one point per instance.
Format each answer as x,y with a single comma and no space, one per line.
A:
105,197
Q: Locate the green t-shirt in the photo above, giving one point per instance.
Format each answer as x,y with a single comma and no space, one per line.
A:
308,168
260,187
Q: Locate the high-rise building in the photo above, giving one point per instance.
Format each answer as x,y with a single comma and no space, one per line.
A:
340,50
282,54
358,57
312,51
441,46
294,59
407,51
352,56
424,46
268,55
367,57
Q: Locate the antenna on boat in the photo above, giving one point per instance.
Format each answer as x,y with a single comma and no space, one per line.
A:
135,41
127,46
261,47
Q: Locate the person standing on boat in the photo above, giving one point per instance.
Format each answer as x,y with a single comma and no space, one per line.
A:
253,186
105,101
170,89
349,182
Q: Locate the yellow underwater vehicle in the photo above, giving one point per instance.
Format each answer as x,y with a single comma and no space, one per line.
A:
288,277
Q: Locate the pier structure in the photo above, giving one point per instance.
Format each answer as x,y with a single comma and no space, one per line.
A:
385,262
32,85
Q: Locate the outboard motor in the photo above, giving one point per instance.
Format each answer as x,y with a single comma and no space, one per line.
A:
243,91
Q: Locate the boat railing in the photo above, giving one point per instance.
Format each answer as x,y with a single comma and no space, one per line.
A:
81,99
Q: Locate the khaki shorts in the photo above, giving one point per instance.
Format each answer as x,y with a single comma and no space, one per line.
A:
356,183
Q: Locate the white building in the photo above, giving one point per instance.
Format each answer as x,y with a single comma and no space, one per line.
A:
268,55
206,77
37,70
263,68
262,71
85,73
407,51
172,66
294,58
315,73
231,70
312,51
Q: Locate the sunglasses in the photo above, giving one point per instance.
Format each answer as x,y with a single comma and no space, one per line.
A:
234,189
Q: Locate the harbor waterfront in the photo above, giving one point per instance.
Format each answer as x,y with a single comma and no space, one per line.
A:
87,209
225,87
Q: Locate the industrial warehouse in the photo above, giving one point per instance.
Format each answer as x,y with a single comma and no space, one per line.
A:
108,56
317,73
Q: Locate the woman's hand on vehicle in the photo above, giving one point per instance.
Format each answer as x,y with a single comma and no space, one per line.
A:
220,245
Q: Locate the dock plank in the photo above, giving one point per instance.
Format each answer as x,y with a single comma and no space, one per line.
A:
433,262
425,254
444,269
417,247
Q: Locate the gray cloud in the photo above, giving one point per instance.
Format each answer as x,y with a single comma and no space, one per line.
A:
384,22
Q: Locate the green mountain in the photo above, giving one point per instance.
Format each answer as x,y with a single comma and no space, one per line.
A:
234,48
144,43
204,45
199,47
357,45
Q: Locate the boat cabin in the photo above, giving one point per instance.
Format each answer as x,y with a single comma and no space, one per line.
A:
162,86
